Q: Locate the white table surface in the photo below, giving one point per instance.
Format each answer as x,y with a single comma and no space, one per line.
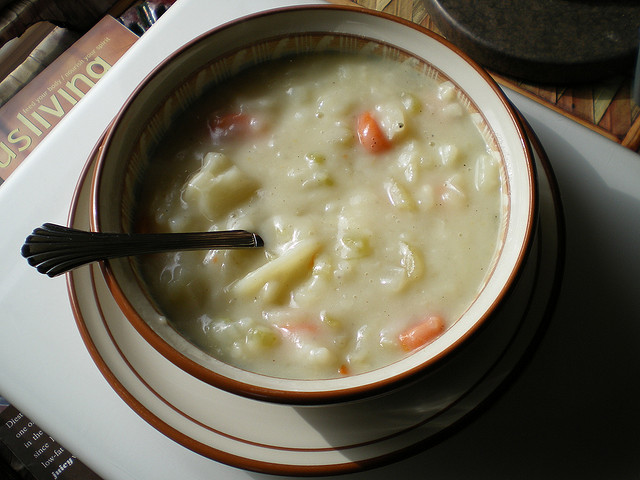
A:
574,412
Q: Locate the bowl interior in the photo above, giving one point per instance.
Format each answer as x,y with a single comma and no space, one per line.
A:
220,54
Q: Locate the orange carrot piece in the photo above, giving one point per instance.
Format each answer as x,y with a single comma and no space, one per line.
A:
422,333
344,369
231,125
370,134
296,329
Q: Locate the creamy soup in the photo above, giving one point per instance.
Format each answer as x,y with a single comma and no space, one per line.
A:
378,199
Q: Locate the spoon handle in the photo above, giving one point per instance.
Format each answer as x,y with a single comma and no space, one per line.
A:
54,249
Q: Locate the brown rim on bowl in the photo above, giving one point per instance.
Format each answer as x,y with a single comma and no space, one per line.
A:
319,395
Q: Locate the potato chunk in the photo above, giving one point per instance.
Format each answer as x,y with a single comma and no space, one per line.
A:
218,186
283,270
399,196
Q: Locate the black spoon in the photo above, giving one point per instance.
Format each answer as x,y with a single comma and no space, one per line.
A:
54,249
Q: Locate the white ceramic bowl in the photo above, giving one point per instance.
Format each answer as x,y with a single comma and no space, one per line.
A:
182,77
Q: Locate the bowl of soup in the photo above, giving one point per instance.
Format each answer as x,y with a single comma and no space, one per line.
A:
387,174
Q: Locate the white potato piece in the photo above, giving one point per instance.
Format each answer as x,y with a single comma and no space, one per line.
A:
487,173
283,269
449,154
447,91
399,195
392,119
218,186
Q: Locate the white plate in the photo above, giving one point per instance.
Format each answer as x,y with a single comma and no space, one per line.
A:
281,439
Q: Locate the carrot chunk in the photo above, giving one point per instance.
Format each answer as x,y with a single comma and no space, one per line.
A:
294,331
232,125
422,333
370,135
